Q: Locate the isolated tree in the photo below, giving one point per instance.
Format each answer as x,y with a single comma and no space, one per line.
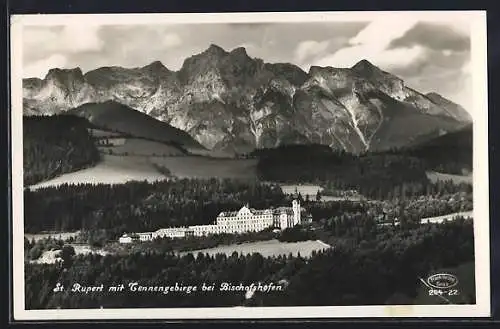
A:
67,254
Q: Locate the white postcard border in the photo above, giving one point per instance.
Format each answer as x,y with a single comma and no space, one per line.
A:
480,173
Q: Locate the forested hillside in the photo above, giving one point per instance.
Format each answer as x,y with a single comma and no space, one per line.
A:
54,145
451,153
369,274
106,211
141,206
378,175
373,175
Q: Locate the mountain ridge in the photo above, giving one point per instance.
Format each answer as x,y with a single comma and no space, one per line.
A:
121,118
227,100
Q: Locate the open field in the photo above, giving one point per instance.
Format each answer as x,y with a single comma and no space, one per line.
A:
54,235
204,167
267,248
326,198
118,169
440,219
143,147
312,190
111,170
48,257
99,133
305,189
52,256
434,176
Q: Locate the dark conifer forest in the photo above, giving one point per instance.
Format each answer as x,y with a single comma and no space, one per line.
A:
55,145
391,263
142,206
374,175
450,153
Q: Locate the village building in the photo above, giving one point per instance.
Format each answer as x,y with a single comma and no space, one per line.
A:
236,222
125,239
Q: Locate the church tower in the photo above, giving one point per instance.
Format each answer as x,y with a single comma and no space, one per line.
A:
296,212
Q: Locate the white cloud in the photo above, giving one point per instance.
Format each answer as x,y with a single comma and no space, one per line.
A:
466,68
171,40
68,39
78,38
463,95
387,59
455,84
38,39
372,44
38,69
447,52
459,25
308,48
381,32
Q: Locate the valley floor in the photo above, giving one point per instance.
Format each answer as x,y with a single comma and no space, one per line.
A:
267,248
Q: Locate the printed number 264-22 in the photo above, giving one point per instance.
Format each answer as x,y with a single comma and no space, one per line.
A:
437,292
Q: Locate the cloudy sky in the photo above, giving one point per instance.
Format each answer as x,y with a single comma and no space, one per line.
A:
429,56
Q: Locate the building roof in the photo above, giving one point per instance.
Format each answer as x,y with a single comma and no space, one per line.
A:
171,229
245,210
281,210
145,233
261,212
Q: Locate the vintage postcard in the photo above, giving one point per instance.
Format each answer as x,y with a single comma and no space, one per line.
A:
250,166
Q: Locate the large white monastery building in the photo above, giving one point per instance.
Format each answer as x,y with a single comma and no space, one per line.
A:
233,222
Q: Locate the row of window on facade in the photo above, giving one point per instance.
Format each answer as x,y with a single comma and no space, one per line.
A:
243,221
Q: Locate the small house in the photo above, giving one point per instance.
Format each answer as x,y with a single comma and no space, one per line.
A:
125,239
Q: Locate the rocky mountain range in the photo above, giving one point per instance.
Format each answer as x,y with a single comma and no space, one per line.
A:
228,101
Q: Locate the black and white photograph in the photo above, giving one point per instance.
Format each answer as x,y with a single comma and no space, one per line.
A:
250,165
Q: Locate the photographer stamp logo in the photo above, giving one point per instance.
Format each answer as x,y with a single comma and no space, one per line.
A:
442,281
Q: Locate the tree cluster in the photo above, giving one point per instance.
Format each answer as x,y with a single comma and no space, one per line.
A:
366,274
373,175
379,175
141,206
54,145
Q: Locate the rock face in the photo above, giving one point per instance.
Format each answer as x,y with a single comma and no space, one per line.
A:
230,102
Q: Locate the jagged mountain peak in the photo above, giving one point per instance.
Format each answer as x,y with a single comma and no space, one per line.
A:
370,71
364,65
57,73
106,70
155,65
239,52
213,54
215,50
156,69
227,100
314,69
294,74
